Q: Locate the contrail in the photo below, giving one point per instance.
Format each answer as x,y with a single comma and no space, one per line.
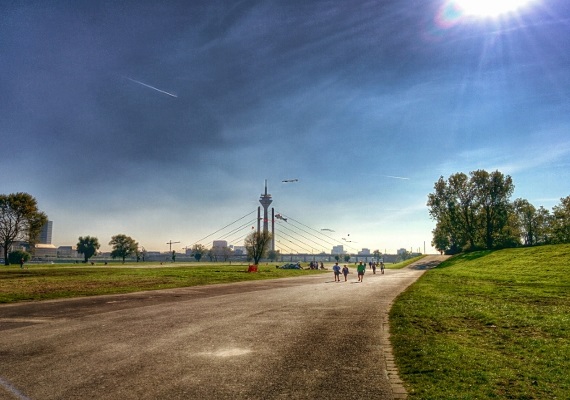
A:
151,87
396,177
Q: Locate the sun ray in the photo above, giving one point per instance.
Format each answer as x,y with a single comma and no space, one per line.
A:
490,8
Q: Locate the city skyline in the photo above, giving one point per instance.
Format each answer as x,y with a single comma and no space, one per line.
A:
161,121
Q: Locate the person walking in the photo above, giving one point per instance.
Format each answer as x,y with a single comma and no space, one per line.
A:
336,270
345,272
360,271
22,263
382,266
374,268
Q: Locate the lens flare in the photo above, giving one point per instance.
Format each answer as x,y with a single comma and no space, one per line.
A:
452,13
490,8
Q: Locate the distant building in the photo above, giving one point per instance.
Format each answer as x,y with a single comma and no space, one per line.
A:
43,250
338,249
67,252
364,252
45,234
220,243
401,251
239,250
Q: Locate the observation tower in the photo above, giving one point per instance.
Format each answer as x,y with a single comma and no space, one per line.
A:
265,201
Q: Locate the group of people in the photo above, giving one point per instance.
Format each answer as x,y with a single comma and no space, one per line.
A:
336,270
360,269
374,265
315,265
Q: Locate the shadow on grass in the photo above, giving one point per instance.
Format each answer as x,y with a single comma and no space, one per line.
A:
464,257
424,266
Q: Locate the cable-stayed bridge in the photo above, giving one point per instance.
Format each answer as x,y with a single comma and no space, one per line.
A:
291,236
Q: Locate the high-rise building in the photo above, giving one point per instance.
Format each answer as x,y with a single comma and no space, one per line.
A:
338,250
220,243
45,234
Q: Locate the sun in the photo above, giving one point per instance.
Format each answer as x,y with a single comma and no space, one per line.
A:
490,8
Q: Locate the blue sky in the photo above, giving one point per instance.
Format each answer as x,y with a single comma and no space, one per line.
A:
162,121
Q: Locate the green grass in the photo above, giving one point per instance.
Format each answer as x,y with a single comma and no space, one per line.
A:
42,282
487,325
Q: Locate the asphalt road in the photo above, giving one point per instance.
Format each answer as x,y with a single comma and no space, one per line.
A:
295,338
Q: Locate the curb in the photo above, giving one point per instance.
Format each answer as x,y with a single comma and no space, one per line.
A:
390,369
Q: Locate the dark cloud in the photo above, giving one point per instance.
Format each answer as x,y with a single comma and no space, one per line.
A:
332,90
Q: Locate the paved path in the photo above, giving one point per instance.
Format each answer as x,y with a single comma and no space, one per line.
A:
296,338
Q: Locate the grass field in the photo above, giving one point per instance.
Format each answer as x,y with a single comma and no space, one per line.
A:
56,281
42,282
487,325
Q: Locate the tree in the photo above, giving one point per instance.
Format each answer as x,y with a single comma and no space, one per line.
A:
218,253
87,246
198,250
451,205
123,246
16,256
377,255
543,226
346,257
533,223
473,212
256,244
273,255
560,222
493,191
20,220
142,253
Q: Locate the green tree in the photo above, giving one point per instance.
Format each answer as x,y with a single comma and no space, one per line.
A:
560,223
346,257
533,223
543,226
442,239
198,250
256,244
452,206
87,246
473,212
123,246
20,220
16,256
493,192
273,255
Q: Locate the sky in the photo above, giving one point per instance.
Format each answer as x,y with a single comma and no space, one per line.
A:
163,120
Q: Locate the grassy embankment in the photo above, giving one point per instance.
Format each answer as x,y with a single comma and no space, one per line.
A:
42,282
487,325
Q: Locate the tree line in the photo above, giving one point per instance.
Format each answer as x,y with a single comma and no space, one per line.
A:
22,221
475,211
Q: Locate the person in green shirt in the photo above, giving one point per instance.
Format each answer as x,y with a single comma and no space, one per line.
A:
360,270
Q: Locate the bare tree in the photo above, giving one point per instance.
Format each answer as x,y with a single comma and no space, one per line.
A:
256,244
